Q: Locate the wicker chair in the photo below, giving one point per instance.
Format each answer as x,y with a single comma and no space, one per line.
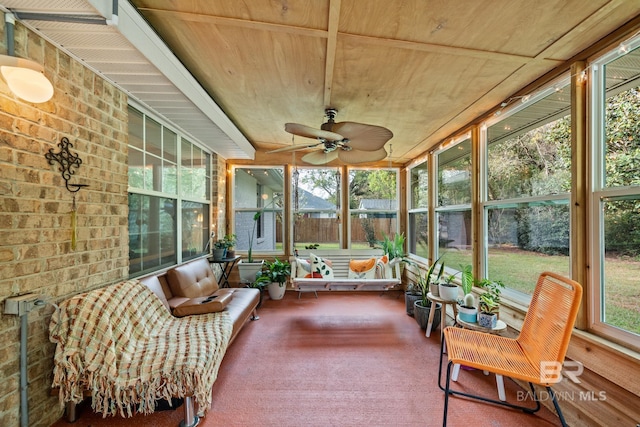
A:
544,337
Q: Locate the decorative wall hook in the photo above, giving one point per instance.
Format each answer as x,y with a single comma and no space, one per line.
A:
68,162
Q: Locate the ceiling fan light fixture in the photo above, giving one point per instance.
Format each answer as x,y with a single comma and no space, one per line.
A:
359,156
350,142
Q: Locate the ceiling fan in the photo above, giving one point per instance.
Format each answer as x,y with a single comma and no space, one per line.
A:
350,142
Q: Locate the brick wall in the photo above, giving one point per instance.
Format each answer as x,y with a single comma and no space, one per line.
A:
35,234
219,195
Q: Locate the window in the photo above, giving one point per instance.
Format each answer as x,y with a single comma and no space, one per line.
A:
156,207
526,190
316,204
616,195
453,210
373,206
418,238
258,190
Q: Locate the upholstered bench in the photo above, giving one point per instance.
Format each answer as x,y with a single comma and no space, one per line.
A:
342,270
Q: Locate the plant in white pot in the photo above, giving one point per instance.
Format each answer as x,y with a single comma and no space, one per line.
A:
467,305
248,270
489,303
394,249
447,289
274,275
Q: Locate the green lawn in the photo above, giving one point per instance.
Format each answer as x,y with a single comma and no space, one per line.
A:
519,270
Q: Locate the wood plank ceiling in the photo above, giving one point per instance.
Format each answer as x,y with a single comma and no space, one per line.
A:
421,69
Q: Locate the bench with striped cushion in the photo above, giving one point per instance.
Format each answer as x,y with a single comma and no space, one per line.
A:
340,259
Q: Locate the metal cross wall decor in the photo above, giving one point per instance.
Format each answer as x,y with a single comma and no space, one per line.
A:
68,162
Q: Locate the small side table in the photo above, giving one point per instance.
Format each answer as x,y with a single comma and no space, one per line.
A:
500,327
226,265
443,312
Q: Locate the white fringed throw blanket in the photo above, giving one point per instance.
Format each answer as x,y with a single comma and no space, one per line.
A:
122,343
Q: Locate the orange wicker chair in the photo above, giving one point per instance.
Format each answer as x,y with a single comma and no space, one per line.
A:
544,337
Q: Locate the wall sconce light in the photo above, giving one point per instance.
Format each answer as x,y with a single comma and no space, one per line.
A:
26,79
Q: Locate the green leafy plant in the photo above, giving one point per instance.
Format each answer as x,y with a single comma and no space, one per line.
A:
256,217
490,298
220,244
273,272
424,280
394,247
466,278
466,283
230,240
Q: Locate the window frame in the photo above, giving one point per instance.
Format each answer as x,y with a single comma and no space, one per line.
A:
176,196
336,213
519,104
350,212
268,208
412,239
600,193
434,231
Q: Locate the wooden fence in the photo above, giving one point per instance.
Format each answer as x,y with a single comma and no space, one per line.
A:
327,230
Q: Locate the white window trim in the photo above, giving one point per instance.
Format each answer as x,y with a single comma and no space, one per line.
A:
599,194
350,212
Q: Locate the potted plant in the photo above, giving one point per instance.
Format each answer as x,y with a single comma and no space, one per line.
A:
274,275
394,249
447,289
422,306
230,242
219,249
467,305
411,295
248,270
434,280
489,303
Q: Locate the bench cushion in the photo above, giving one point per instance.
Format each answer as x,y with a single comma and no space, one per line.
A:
207,304
362,269
303,267
320,266
192,280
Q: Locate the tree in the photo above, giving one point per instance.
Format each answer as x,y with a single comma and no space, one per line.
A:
622,162
326,181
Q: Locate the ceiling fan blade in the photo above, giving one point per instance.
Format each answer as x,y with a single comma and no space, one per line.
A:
294,147
361,156
362,136
309,132
320,157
